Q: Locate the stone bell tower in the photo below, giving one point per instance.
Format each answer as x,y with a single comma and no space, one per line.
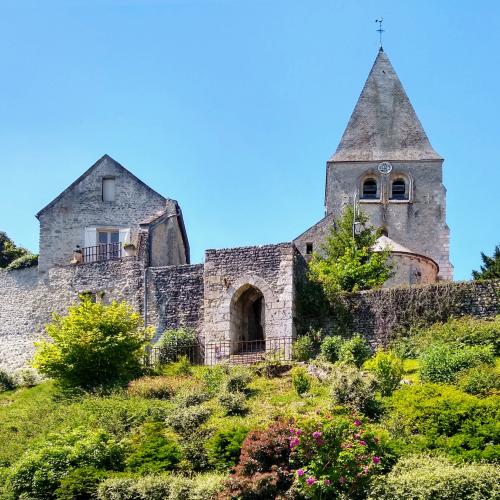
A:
386,163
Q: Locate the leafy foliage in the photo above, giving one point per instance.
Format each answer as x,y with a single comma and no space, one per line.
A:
151,387
93,345
300,380
346,263
80,484
238,379
490,268
439,417
26,260
6,381
437,478
233,403
304,348
186,421
330,348
388,370
480,380
224,446
355,350
9,252
175,343
443,363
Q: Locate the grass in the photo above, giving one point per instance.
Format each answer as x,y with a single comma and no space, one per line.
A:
411,370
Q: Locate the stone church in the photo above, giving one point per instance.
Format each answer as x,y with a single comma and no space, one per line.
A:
112,236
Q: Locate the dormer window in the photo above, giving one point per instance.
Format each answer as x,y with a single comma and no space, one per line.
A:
108,189
399,190
369,191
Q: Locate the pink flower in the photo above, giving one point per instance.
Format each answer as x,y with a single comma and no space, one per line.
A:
316,434
310,480
294,442
320,442
298,432
366,470
357,436
328,482
362,443
300,472
376,460
357,423
341,479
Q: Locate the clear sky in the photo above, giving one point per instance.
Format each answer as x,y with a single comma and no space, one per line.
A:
232,107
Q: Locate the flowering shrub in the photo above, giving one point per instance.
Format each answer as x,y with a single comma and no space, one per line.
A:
333,456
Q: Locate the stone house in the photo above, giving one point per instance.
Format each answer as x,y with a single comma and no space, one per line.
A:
111,235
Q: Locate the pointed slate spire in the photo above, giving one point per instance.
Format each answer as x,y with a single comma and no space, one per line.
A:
384,125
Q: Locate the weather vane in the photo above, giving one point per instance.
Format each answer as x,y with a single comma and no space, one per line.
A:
380,30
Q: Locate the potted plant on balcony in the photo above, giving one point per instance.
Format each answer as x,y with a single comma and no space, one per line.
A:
129,249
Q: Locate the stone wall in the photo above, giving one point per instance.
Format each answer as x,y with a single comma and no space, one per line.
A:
231,272
175,297
27,302
382,314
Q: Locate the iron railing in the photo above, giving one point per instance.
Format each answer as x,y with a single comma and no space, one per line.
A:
224,351
99,253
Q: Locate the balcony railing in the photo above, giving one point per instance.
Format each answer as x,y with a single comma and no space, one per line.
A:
100,253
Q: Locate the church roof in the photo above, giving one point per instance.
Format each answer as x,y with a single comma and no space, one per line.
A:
385,243
384,125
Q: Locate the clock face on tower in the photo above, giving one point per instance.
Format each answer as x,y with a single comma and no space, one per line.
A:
385,167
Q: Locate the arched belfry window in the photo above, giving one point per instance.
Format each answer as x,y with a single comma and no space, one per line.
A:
369,190
399,189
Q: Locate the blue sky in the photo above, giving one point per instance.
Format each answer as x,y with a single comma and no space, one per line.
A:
233,107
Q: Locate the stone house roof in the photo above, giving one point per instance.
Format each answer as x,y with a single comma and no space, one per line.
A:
384,125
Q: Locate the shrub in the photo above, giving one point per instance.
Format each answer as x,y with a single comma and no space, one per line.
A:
481,380
330,348
93,345
427,477
175,343
388,370
80,484
27,260
333,456
304,348
151,388
185,421
440,417
353,388
182,366
192,397
26,377
355,351
465,331
300,380
194,451
39,471
213,378
233,403
442,363
153,450
263,469
224,447
6,381
238,379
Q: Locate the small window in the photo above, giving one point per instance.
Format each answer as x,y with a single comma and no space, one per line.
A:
369,189
108,189
398,191
309,248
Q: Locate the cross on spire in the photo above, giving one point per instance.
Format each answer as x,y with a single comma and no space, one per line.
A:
380,30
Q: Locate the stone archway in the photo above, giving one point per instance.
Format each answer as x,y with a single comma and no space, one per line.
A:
247,319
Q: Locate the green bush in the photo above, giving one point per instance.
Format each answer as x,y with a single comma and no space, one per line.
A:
481,380
151,388
26,377
355,351
153,450
80,484
353,388
330,348
192,397
93,345
233,403
443,363
238,379
194,451
39,471
213,378
300,380
27,260
441,417
388,370
175,343
465,331
224,447
304,348
186,421
6,381
424,477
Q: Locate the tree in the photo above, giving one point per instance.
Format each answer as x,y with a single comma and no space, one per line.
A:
346,262
9,251
490,268
93,345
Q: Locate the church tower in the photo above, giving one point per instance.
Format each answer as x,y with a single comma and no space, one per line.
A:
386,164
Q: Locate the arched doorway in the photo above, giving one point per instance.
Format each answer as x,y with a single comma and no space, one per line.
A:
248,320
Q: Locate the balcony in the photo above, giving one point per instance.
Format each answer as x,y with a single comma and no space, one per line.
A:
100,253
